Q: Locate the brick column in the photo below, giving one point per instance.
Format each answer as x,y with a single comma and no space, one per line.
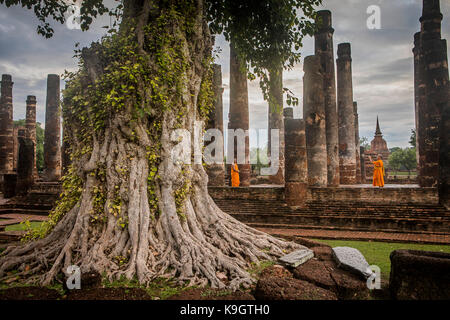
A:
25,164
216,172
358,150
433,74
276,120
296,165
6,126
324,50
52,140
346,117
30,124
362,164
314,116
417,80
238,116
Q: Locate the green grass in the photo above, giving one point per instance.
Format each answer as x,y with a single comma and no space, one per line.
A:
377,253
24,226
401,173
159,288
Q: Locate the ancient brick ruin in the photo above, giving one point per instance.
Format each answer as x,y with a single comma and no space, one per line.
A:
346,117
324,50
320,182
216,172
431,84
52,140
238,116
6,125
18,169
378,146
314,116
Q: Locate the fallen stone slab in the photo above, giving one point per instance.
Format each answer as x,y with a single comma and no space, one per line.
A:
296,258
351,259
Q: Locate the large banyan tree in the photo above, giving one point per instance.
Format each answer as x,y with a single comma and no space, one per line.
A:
127,209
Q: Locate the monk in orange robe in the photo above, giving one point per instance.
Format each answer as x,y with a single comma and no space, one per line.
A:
378,172
235,174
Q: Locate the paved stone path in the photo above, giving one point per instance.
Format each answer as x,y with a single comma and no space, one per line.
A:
23,217
363,236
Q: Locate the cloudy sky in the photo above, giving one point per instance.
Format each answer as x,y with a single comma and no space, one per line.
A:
382,62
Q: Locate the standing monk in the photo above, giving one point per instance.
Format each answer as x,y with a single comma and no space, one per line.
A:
235,174
378,171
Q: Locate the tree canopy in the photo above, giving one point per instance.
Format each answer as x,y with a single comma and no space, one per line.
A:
265,33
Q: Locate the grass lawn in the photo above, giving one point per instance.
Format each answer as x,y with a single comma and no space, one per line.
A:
23,227
377,253
393,173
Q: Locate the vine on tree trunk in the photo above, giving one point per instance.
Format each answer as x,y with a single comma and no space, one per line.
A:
127,208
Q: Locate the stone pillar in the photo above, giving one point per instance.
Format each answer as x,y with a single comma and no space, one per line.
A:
324,50
216,172
346,117
435,80
9,185
30,124
362,162
296,165
52,140
314,116
417,83
358,150
238,116
25,164
276,120
6,125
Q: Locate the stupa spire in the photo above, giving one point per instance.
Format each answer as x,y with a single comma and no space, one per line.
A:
377,130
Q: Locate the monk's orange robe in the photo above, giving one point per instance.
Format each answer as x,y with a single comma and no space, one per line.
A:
378,173
235,175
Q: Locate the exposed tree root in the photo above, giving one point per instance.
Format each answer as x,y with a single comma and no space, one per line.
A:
190,239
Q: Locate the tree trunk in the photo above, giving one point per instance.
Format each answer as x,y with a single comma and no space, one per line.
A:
127,208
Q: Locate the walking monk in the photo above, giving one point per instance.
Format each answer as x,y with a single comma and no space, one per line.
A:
235,174
378,171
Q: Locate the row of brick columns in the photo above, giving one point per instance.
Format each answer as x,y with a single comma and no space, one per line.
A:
329,153
431,92
331,125
19,170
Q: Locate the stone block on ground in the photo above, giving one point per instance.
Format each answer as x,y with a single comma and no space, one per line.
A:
351,259
276,288
327,275
296,258
349,286
316,272
419,275
275,271
323,253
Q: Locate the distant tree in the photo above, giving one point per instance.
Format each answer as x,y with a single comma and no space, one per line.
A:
409,159
403,159
39,143
364,142
412,138
39,147
395,160
393,149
